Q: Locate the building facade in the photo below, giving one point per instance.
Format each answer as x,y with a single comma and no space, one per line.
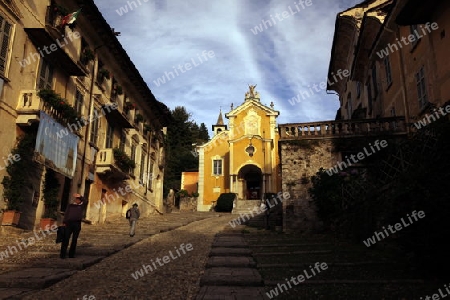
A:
66,82
395,54
390,72
242,156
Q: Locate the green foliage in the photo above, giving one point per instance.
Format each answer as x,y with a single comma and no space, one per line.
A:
203,134
66,113
123,161
225,202
51,190
87,55
182,133
103,73
139,118
183,193
327,195
195,194
422,186
16,180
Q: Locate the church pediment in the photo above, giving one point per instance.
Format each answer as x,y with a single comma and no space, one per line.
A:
252,99
252,104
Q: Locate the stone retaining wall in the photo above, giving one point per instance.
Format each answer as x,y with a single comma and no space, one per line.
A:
300,160
188,204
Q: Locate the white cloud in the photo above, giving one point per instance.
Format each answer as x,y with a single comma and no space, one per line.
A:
282,60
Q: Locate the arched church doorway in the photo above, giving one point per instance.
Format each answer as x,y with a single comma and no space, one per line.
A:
250,178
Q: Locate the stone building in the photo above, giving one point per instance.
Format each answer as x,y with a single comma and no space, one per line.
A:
393,57
66,81
395,52
241,157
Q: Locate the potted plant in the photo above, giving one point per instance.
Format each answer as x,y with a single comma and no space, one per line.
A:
86,56
119,90
139,118
147,128
129,105
51,202
14,182
65,112
103,73
123,161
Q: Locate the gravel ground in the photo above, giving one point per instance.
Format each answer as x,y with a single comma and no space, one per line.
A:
176,279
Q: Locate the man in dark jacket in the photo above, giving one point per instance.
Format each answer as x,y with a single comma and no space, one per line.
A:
134,216
72,222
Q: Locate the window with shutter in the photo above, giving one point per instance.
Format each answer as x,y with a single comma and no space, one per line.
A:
79,99
45,75
5,33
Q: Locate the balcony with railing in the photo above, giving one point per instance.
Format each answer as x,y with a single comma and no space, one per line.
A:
31,102
114,163
62,45
121,115
343,128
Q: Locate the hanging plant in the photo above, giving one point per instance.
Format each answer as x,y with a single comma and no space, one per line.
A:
87,55
119,90
123,161
66,112
104,73
129,105
147,128
139,118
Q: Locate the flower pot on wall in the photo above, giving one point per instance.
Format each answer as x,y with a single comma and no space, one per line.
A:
11,217
47,223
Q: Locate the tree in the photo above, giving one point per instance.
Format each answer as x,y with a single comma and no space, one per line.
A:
181,135
203,134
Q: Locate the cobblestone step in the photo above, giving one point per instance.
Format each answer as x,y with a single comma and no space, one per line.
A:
229,242
231,262
225,276
230,271
34,278
223,251
231,293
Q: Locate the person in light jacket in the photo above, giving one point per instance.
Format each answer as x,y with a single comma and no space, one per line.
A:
134,216
72,222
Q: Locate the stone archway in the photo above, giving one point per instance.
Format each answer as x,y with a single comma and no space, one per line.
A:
250,183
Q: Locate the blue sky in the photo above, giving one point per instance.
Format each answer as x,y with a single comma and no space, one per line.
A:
283,60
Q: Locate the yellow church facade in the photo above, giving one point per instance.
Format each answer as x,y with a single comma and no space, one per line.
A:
242,156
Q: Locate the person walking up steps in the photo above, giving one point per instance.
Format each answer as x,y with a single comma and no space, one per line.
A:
72,222
134,216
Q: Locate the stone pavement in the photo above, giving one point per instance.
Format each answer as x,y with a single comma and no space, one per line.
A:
38,266
174,257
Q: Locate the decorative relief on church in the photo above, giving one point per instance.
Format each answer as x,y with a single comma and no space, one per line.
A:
252,123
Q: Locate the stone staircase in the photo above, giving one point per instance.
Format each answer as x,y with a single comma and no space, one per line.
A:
231,270
353,271
245,206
